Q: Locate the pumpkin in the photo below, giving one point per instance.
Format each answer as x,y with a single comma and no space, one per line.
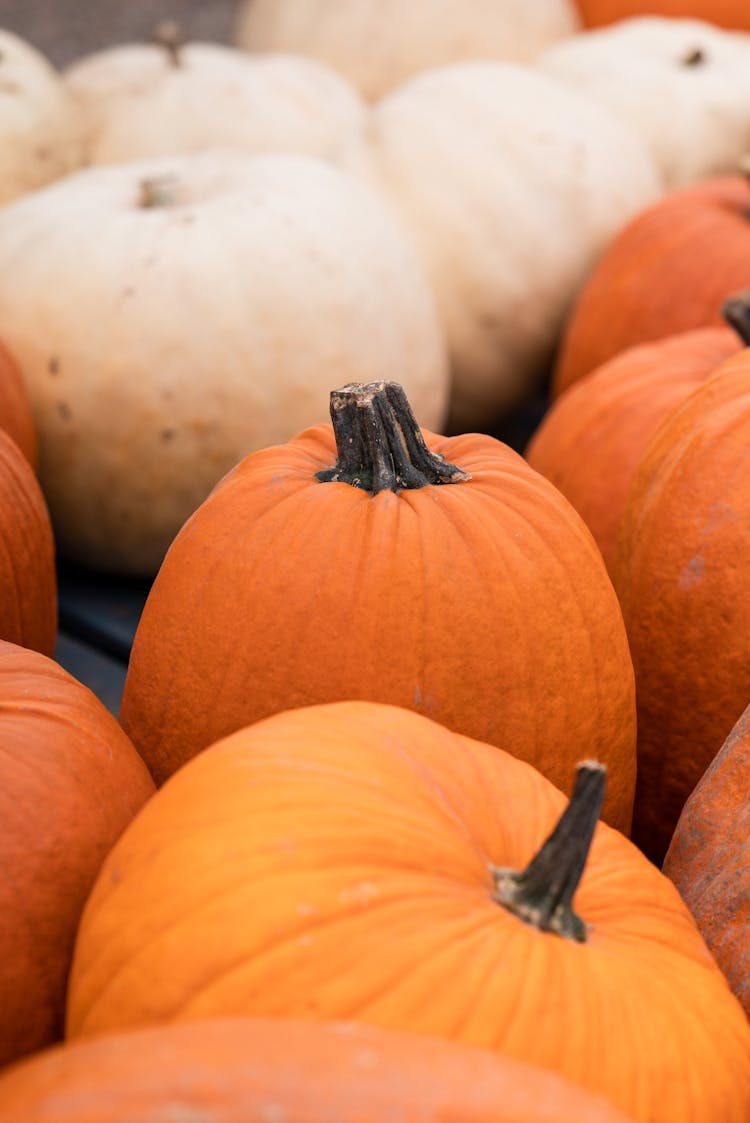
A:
667,271
243,1070
445,576
510,185
681,576
154,99
725,13
681,85
592,437
707,858
28,582
16,418
69,782
358,860
172,315
379,46
39,128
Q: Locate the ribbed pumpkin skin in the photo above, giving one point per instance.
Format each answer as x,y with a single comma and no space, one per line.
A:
15,410
681,575
69,782
669,270
708,858
236,1070
592,437
28,582
334,862
733,14
483,604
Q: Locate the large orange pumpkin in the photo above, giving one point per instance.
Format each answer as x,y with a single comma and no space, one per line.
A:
15,409
243,1070
669,270
28,582
592,437
733,14
357,860
473,594
682,576
69,782
708,858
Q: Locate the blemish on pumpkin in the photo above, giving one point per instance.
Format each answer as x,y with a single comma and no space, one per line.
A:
360,894
692,573
64,411
42,152
53,365
167,434
694,57
272,1113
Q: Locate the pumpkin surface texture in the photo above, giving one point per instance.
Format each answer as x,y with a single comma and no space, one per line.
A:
361,861
668,270
28,582
69,782
708,858
591,439
681,575
445,577
243,1070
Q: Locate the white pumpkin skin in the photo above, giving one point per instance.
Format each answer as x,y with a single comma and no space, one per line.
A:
141,100
510,185
682,85
39,127
378,44
162,344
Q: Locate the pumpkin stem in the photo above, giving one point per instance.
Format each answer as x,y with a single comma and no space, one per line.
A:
379,444
168,34
736,311
542,894
157,191
696,56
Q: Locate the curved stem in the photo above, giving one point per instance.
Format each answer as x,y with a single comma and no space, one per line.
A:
736,311
542,894
168,34
379,444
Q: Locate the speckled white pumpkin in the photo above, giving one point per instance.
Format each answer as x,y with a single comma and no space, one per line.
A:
171,316
39,133
377,44
145,99
510,185
682,85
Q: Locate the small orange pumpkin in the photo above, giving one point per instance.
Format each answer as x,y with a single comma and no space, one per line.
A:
708,858
15,409
357,860
733,14
253,1070
446,577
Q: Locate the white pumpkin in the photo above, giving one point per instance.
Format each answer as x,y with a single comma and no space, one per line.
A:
171,316
39,128
682,85
511,185
151,99
378,44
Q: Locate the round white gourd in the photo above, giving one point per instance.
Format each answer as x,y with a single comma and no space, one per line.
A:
171,316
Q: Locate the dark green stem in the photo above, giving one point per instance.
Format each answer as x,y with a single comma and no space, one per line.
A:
379,444
736,311
542,894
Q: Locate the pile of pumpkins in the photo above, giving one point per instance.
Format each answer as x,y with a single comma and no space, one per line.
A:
429,793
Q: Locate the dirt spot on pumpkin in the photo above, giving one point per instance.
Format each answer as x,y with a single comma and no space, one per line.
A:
53,365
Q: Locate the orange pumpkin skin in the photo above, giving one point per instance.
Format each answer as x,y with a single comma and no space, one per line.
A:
732,14
243,1070
592,437
16,418
483,604
708,858
336,862
28,582
69,782
681,574
669,270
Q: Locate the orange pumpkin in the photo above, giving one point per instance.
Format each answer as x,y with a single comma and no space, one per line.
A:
733,14
592,437
681,574
473,594
28,582
242,1070
708,858
69,782
15,409
358,861
669,270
